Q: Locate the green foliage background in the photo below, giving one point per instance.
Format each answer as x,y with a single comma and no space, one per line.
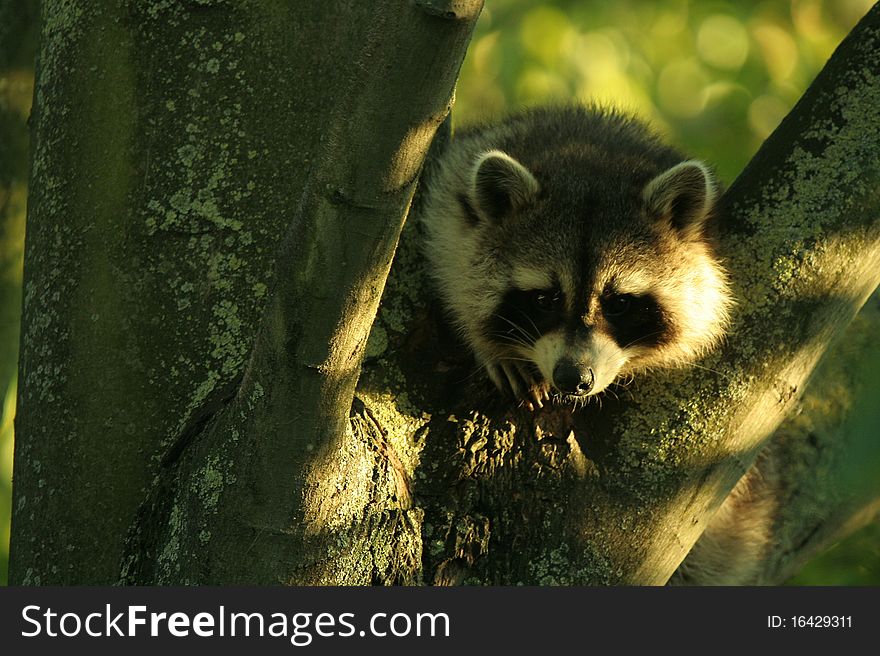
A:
714,77
18,37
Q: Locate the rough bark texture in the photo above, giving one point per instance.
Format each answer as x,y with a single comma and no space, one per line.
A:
829,483
154,366
172,144
815,481
260,480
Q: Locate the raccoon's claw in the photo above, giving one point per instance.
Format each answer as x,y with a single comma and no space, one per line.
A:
508,378
496,375
515,378
538,395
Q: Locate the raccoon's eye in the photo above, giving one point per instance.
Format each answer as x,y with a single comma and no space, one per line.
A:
617,305
547,300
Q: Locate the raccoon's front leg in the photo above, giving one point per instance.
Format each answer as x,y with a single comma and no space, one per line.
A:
513,377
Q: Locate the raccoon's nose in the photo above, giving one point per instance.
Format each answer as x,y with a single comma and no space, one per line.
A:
569,378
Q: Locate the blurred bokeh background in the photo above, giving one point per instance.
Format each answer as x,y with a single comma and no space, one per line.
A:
18,40
714,77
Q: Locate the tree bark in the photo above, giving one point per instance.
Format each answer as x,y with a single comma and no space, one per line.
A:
172,144
154,365
829,485
816,479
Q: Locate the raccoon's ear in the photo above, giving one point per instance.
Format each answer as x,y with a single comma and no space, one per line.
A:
682,195
500,185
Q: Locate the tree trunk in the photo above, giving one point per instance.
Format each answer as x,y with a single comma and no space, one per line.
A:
172,143
157,364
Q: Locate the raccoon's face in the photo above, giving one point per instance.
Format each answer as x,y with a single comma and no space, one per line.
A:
592,282
578,340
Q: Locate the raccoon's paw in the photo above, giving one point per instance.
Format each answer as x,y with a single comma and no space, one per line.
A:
539,393
514,378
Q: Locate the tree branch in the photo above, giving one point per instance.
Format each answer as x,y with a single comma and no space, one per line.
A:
291,413
801,238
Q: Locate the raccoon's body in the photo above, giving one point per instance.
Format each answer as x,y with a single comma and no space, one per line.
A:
569,248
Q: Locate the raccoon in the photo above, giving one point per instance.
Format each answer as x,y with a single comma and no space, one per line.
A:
570,248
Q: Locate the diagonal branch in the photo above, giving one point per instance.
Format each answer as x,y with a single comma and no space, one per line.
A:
802,238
